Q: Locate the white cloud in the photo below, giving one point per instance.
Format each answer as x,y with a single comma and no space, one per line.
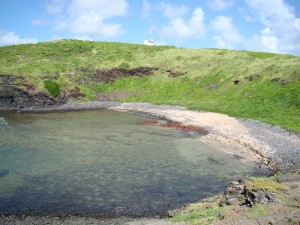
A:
280,33
55,6
89,19
179,29
38,22
269,42
223,24
228,36
280,22
91,26
297,24
104,9
10,38
220,4
173,11
270,11
146,9
62,24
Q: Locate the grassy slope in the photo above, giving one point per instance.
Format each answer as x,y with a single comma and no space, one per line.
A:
207,85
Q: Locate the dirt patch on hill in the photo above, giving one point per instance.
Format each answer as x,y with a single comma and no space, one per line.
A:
111,75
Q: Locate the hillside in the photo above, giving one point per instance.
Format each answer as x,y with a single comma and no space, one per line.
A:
262,86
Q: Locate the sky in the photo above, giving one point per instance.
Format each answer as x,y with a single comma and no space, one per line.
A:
255,25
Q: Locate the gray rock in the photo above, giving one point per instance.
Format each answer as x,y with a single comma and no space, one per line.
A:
221,215
258,196
232,201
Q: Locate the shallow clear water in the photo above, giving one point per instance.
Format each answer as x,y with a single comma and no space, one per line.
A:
105,163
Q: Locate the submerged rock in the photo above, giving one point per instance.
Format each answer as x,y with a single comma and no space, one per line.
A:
176,126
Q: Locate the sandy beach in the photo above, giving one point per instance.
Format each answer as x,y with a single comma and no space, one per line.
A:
275,147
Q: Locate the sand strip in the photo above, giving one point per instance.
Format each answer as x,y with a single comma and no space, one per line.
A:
236,136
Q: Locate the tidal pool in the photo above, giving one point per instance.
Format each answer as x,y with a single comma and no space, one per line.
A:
105,163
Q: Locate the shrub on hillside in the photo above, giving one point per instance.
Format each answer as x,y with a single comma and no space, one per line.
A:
52,87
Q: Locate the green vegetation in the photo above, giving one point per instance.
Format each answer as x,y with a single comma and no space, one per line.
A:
204,212
267,184
257,85
258,210
52,87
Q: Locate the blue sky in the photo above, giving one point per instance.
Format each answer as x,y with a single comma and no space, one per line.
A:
257,25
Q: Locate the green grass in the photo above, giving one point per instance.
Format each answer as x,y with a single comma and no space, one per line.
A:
204,212
259,210
207,216
208,83
267,184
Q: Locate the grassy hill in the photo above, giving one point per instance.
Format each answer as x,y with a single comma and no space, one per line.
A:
256,85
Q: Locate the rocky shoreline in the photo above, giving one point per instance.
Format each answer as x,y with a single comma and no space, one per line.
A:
250,140
69,106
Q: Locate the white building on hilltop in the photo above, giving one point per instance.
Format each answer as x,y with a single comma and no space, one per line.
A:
149,42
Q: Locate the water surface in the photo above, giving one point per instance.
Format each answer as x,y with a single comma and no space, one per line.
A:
105,163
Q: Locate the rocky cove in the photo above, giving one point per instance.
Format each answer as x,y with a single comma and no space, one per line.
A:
108,164
249,140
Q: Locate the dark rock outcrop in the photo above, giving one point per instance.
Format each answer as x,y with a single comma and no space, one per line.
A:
110,75
16,93
12,97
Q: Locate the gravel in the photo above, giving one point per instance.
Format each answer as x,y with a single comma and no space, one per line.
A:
285,144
